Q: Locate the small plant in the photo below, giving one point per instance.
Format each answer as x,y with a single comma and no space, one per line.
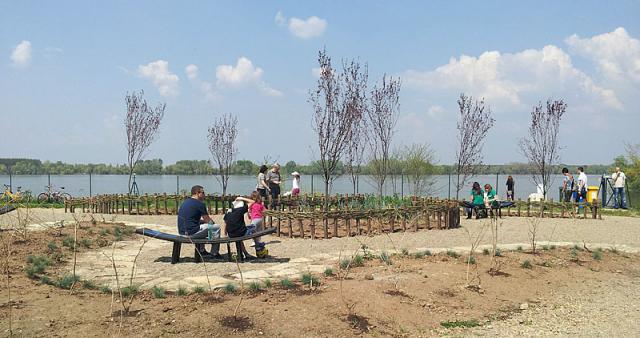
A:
309,279
130,290
460,323
104,232
68,242
526,264
267,283
46,280
427,253
384,257
471,260
182,291
498,253
88,284
328,271
229,288
452,254
545,247
105,289
577,247
418,255
198,289
66,281
85,242
519,248
597,255
37,265
158,292
254,286
574,253
486,252
52,247
286,283
344,263
614,250
128,230
405,252
358,260
553,247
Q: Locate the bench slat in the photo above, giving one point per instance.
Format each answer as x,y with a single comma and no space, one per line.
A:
183,239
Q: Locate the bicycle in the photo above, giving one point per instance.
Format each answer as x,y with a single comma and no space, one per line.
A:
9,196
52,195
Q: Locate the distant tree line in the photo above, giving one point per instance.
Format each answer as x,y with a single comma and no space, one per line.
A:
397,166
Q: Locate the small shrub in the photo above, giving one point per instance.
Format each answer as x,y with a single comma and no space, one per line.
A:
128,230
37,265
384,257
66,281
68,242
158,292
229,288
117,231
498,253
552,247
309,279
46,280
486,252
88,284
460,323
471,260
427,253
526,264
418,255
198,289
614,250
105,289
519,248
545,247
254,286
130,290
267,283
85,242
182,291
573,253
344,263
328,271
597,255
104,232
577,247
358,260
452,254
405,252
286,283
52,246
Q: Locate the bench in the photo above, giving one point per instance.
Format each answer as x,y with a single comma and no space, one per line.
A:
482,212
179,240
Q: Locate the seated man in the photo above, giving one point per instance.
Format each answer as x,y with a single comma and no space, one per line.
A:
193,213
235,225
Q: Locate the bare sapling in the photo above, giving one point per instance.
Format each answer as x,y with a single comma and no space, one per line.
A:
533,227
222,145
495,263
235,311
6,246
142,124
474,240
474,123
541,146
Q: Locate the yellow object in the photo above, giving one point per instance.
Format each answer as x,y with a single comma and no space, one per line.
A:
592,193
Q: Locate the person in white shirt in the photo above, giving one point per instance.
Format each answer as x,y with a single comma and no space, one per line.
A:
619,179
582,185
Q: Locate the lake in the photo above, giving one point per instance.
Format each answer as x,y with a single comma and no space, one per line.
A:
84,185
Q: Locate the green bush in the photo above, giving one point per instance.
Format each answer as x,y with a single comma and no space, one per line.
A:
68,242
405,252
545,247
105,289
254,286
229,288
597,255
418,255
37,265
328,271
104,232
384,257
452,254
52,246
66,281
344,263
85,242
573,253
460,323
358,260
427,253
286,283
44,279
471,260
182,291
198,289
88,284
486,252
498,252
130,290
158,292
267,283
526,264
519,248
309,279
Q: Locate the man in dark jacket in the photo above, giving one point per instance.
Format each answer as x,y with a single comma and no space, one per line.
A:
234,219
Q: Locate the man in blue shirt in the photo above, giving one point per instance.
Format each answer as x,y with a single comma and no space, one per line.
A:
193,213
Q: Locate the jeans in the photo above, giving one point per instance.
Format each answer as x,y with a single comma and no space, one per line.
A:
618,193
275,194
255,226
204,233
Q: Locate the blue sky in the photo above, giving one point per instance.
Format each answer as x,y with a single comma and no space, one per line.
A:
65,68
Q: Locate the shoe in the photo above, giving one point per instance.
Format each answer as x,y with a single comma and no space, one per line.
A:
262,253
249,257
203,253
468,217
215,256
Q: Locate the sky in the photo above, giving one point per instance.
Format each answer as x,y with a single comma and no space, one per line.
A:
66,66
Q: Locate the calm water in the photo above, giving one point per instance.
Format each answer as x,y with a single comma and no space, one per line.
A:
83,185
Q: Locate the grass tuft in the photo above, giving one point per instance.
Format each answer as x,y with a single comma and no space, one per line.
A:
229,288
182,291
254,286
66,281
405,252
385,258
597,255
198,289
498,253
158,292
37,265
130,290
526,264
328,271
88,284
460,323
452,254
267,283
286,283
309,279
519,248
486,252
471,260
105,289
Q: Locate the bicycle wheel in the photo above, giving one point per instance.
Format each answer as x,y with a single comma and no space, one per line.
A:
65,196
43,197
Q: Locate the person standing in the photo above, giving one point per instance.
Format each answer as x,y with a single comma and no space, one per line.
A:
619,179
191,214
273,180
262,187
295,188
510,186
567,185
582,185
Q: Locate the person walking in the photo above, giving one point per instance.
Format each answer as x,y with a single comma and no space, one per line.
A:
262,187
273,180
567,185
510,188
619,180
582,185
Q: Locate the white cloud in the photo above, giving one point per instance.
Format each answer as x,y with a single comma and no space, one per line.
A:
616,53
192,71
280,19
514,80
163,79
309,28
242,74
21,55
316,72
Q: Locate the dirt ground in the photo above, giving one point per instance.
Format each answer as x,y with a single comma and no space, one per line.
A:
414,295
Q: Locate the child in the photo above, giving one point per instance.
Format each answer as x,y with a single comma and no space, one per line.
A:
256,211
295,185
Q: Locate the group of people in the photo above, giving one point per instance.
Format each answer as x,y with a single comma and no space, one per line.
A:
481,199
194,220
574,190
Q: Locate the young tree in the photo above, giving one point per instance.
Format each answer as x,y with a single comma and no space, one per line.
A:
382,118
541,146
473,125
222,145
142,123
357,105
418,161
334,113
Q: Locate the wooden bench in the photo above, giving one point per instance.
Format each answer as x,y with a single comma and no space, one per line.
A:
179,240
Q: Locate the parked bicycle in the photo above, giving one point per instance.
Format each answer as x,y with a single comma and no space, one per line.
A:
9,196
51,195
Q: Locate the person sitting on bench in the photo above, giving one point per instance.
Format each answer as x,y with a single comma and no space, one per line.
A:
476,200
234,220
193,213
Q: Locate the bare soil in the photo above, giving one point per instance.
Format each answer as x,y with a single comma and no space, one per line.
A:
413,296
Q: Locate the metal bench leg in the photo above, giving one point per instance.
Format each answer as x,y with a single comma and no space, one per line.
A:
175,254
229,252
197,256
239,252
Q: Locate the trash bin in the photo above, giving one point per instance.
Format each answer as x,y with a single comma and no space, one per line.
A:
592,193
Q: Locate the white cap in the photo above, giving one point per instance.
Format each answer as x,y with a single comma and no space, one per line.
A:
295,173
238,204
